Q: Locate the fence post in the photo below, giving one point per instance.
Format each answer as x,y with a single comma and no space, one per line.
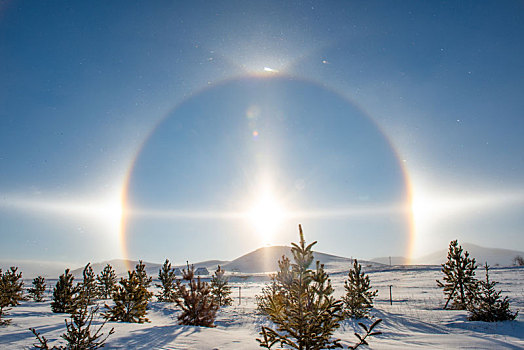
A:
390,296
239,295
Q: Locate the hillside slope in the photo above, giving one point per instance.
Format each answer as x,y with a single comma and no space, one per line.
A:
493,256
266,260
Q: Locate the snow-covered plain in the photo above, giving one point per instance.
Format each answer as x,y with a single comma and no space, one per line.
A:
415,320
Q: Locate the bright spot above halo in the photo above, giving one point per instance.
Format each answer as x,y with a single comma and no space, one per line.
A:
264,68
267,216
270,70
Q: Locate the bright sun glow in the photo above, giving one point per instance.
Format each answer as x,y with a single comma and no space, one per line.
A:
422,207
267,216
111,212
433,207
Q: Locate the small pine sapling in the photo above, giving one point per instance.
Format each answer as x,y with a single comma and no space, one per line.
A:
64,294
143,279
271,292
459,285
12,287
4,310
220,288
106,282
300,304
488,305
518,261
43,342
87,291
36,292
79,334
358,299
11,292
369,333
168,290
198,305
4,302
130,300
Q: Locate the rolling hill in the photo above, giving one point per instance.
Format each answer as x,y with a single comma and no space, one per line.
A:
265,259
493,256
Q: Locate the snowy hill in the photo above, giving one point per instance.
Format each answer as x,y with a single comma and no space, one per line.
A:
493,256
266,260
259,261
211,265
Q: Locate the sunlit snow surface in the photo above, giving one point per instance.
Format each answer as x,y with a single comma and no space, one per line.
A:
415,320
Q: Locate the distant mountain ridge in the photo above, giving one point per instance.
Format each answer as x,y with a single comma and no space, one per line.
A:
263,260
493,256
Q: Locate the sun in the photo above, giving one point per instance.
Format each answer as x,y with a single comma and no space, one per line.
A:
110,213
266,216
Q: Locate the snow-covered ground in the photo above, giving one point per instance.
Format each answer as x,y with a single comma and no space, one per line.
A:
415,320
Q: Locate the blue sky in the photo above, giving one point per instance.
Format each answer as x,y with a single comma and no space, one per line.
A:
352,93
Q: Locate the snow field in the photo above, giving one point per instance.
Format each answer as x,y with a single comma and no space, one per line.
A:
414,321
